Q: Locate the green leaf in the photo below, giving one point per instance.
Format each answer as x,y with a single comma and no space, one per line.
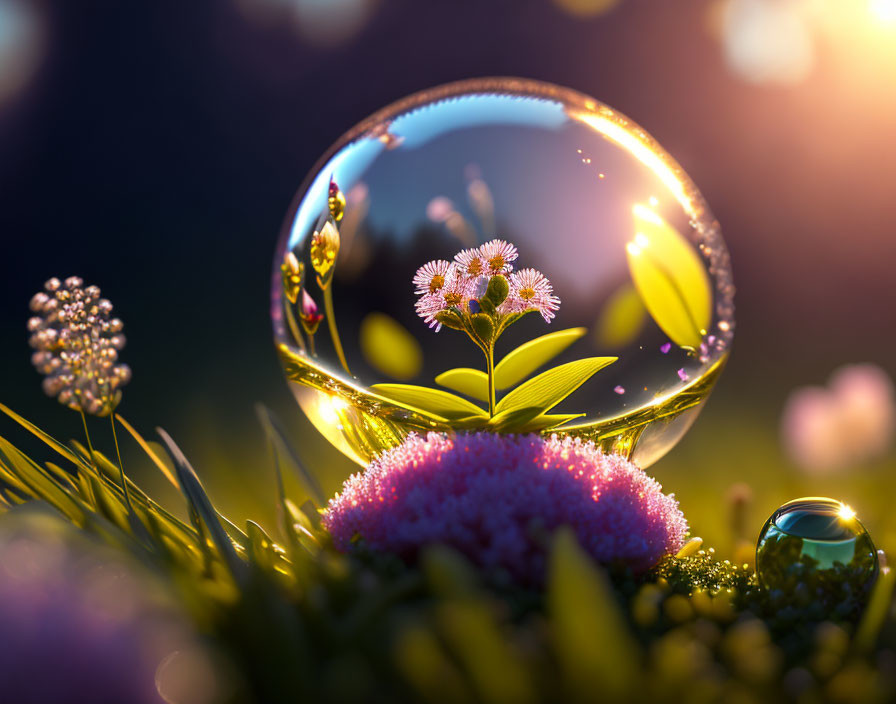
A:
200,503
671,278
531,419
875,613
450,319
528,357
470,382
483,327
621,319
549,388
389,348
583,612
548,421
432,401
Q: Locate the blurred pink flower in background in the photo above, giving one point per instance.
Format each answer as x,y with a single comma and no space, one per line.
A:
850,422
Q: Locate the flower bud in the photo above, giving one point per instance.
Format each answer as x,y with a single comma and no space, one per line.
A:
497,291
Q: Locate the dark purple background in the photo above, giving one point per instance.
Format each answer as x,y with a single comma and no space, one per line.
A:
157,149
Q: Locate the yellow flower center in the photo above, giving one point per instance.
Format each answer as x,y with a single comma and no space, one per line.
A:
474,268
453,299
527,294
437,282
497,263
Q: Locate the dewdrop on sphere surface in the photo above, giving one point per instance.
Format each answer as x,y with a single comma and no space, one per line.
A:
506,255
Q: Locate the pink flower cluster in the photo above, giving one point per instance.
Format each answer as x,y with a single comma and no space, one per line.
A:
845,424
443,285
497,498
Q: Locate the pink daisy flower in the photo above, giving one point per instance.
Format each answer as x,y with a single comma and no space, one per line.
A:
531,290
497,498
431,276
498,255
471,263
454,293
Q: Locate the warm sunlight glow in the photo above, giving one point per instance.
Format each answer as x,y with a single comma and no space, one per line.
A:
883,10
630,141
329,408
846,513
645,213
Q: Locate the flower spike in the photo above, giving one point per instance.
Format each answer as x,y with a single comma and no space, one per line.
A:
77,344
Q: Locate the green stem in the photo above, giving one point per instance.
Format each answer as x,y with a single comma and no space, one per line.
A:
490,367
92,494
124,483
87,435
331,323
293,327
311,345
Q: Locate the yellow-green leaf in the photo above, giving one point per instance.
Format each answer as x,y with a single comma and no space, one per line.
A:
432,401
389,347
528,420
152,451
549,388
671,278
621,319
548,421
30,427
470,382
584,612
528,357
40,484
875,613
506,421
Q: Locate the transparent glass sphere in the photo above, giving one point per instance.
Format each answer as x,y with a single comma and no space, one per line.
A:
814,539
506,255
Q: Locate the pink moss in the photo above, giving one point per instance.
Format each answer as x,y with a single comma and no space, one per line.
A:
497,498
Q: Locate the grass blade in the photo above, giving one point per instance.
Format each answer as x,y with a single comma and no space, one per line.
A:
875,613
198,500
278,439
150,452
33,429
584,612
39,484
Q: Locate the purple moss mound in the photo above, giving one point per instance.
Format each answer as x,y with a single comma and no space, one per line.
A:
496,498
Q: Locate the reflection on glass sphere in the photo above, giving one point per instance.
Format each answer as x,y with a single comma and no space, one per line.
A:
505,255
814,539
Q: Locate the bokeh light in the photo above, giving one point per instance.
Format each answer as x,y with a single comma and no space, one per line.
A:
780,41
324,23
21,44
883,10
766,41
586,8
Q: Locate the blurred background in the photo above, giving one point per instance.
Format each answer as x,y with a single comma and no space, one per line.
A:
154,147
